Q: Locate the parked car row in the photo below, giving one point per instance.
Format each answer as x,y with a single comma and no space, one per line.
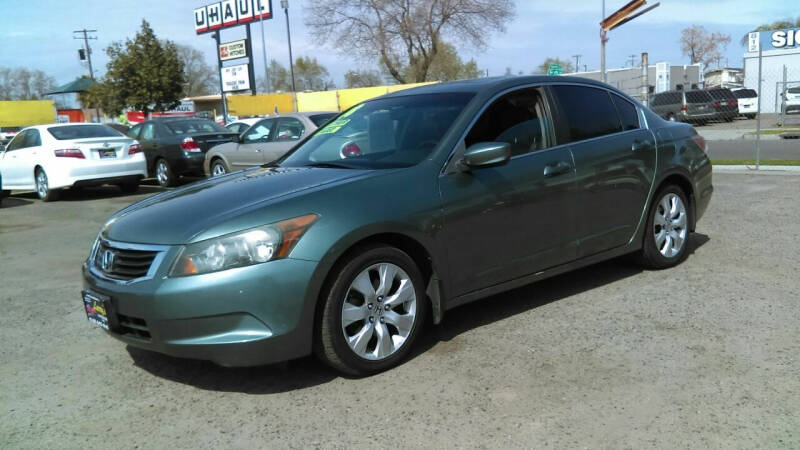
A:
701,106
49,158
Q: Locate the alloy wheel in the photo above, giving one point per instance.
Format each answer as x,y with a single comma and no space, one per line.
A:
379,311
41,184
669,225
161,172
218,169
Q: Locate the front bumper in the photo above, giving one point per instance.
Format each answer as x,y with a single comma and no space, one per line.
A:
240,317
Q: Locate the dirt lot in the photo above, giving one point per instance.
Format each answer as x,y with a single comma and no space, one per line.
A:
702,355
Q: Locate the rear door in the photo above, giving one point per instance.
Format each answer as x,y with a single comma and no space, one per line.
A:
505,222
250,152
614,161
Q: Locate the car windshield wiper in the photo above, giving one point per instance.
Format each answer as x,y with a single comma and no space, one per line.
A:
329,165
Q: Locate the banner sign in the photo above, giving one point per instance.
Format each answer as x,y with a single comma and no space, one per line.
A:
235,78
233,50
230,13
773,40
185,108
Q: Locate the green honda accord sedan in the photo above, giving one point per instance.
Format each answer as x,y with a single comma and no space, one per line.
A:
400,209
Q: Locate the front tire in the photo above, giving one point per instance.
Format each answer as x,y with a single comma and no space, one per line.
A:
667,234
164,174
43,190
218,168
373,310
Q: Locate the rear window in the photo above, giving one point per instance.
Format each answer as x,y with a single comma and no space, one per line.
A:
82,132
698,97
321,119
666,98
589,111
721,94
189,126
745,93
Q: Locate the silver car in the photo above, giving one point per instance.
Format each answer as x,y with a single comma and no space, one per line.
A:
265,141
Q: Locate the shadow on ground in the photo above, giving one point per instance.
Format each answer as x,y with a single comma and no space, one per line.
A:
308,372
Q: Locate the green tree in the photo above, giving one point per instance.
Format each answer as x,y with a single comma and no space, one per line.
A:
362,78
310,75
566,65
777,25
102,95
279,79
144,73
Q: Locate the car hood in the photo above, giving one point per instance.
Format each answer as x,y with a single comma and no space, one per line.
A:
177,216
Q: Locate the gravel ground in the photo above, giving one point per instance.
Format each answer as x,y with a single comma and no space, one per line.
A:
703,355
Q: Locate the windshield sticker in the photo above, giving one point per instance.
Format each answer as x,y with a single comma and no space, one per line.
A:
348,113
333,127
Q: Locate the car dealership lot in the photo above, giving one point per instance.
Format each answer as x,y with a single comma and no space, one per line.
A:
609,356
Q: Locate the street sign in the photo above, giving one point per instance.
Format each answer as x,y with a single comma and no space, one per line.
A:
235,78
554,69
230,13
233,50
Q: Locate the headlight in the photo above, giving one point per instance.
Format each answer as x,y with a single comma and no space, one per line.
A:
244,248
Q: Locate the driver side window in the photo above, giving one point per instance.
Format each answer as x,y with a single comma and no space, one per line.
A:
260,132
18,142
517,118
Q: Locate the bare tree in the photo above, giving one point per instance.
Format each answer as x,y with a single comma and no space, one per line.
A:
201,78
23,84
406,34
362,78
701,47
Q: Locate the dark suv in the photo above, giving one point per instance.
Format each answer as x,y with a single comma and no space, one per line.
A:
725,103
684,106
178,146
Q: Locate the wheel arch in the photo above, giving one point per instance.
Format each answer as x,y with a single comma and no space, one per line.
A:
683,181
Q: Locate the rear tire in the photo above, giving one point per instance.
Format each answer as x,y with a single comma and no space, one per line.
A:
43,187
164,174
668,229
362,334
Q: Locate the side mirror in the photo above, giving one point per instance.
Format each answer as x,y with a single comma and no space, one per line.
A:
486,154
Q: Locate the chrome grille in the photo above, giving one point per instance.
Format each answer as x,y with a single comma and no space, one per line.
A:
122,264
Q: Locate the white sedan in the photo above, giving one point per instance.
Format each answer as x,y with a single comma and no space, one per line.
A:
47,158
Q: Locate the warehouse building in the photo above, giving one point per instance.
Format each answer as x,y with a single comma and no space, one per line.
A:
660,77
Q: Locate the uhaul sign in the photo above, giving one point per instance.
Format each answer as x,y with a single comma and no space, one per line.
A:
230,13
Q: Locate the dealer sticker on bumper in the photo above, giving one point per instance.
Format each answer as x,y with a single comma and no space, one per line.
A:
96,307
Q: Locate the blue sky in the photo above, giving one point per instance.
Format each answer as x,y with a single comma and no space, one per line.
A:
39,34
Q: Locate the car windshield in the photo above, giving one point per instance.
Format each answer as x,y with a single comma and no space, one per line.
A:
381,134
698,97
745,93
194,126
68,132
321,119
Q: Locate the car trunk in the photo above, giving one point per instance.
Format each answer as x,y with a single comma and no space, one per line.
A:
208,140
102,148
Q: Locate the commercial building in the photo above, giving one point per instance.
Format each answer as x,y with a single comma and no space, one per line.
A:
660,77
780,56
727,77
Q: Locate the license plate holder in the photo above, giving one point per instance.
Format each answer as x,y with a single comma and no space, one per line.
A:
107,153
97,308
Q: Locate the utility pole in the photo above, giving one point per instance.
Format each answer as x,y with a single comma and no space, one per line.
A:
645,79
285,6
633,60
86,47
617,19
577,62
603,40
264,51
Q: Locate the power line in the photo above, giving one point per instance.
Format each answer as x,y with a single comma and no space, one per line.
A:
87,49
577,62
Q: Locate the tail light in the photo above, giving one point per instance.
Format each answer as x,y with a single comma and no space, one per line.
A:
350,150
701,142
733,102
717,104
134,149
190,145
684,107
69,153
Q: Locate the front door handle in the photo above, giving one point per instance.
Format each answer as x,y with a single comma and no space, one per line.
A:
641,145
559,168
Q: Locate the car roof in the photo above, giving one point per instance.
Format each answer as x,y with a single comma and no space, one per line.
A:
493,83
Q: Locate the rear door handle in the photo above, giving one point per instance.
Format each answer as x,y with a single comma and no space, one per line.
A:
641,145
555,169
